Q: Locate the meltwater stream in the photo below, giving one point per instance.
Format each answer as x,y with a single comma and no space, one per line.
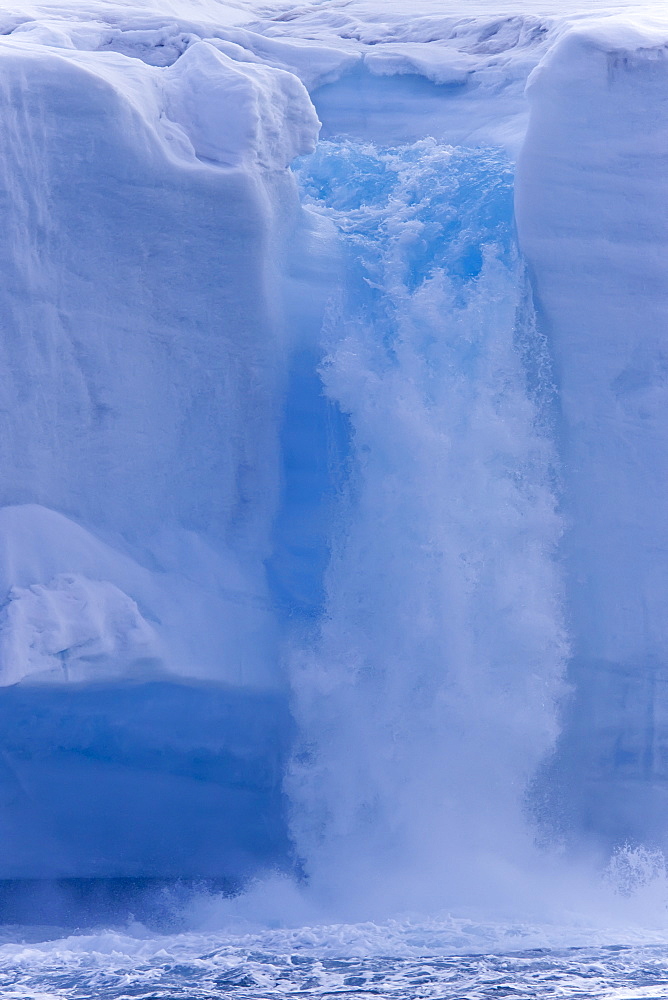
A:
426,694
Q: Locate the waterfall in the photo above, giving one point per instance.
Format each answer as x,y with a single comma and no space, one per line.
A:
425,692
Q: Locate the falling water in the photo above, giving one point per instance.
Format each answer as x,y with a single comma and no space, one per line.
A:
426,694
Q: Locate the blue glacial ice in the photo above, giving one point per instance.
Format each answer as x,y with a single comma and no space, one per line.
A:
333,451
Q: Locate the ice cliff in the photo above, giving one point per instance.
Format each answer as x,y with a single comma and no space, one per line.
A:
593,223
351,455
144,358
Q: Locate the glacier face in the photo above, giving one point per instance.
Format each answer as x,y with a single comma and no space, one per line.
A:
144,354
319,468
600,277
141,384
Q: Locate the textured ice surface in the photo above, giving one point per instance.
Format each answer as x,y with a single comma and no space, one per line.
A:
591,209
144,351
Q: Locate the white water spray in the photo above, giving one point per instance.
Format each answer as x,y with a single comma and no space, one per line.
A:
428,698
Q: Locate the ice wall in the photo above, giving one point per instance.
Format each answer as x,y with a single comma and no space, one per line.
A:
143,349
592,213
144,355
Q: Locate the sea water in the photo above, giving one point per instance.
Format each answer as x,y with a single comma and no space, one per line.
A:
112,966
